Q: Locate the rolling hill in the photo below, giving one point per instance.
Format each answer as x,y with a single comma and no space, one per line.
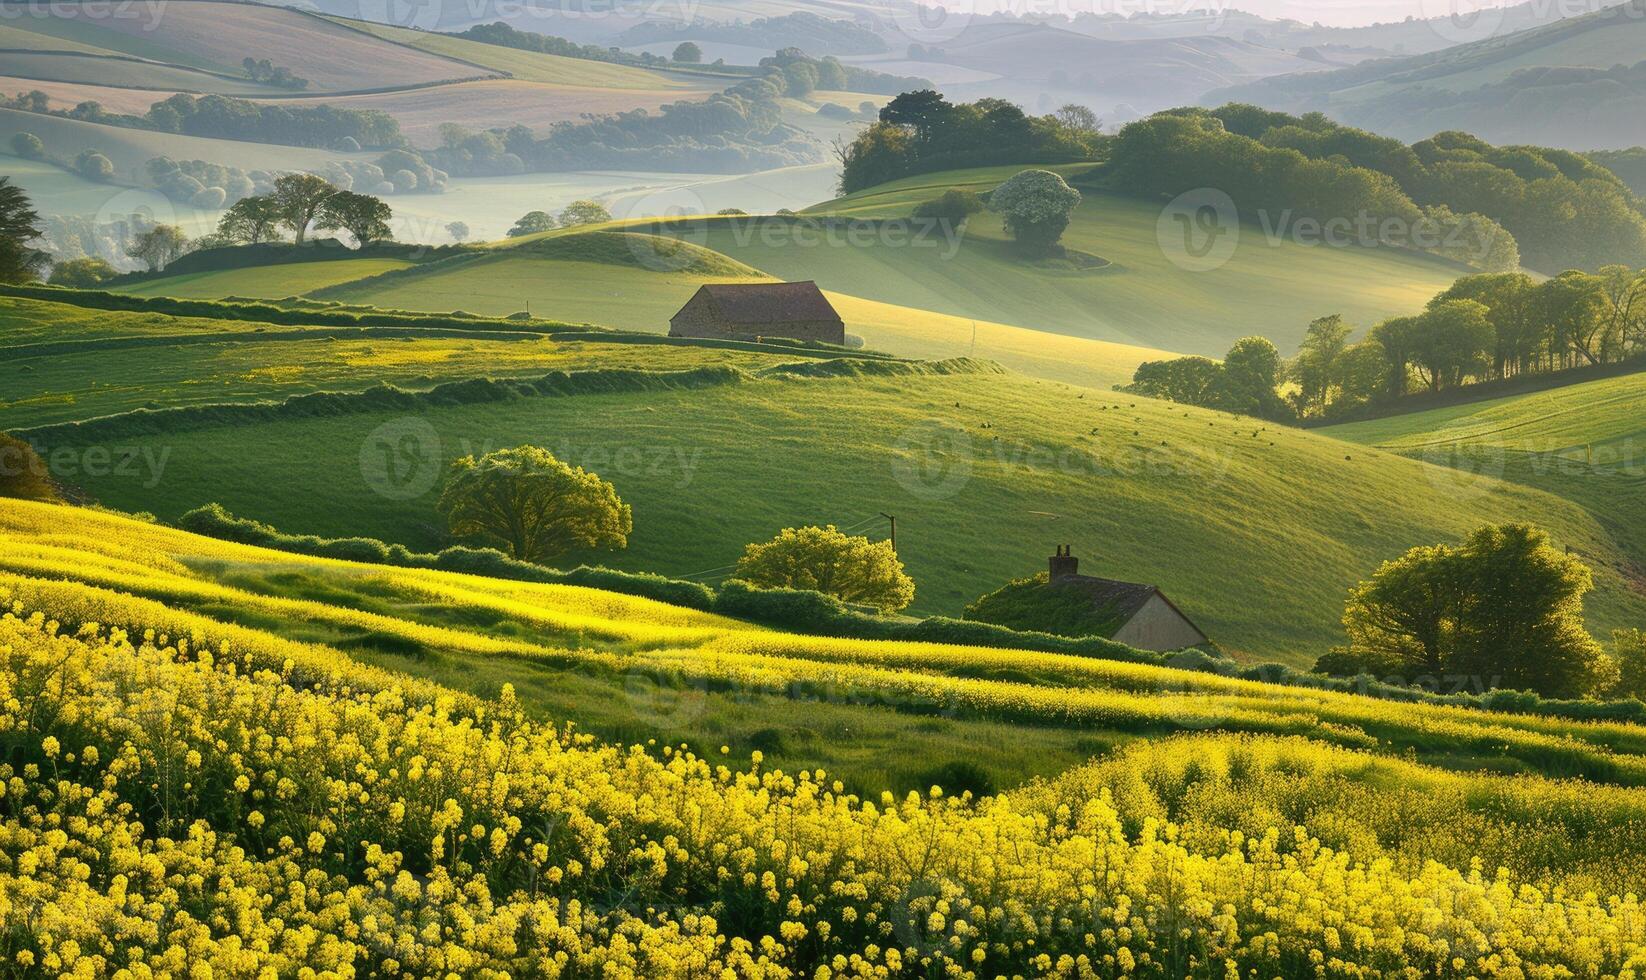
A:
1585,442
356,753
1565,84
1145,490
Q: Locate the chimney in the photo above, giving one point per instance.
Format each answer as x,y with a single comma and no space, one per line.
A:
1064,564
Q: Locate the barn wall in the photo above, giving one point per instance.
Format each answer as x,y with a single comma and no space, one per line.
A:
698,319
1157,626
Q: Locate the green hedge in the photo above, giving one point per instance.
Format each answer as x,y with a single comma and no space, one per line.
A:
213,521
379,398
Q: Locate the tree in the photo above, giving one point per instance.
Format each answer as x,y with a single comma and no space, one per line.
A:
159,246
1454,340
919,111
954,205
452,135
688,53
1186,380
1246,386
297,199
823,559
1629,654
584,213
93,165
361,215
533,222
532,503
1037,205
251,221
1317,369
19,225
23,476
459,230
1504,608
28,146
81,273
1078,118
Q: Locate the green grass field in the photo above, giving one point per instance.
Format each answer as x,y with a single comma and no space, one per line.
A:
1255,532
1272,289
267,282
1585,442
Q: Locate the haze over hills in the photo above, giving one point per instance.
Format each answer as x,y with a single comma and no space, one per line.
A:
1579,83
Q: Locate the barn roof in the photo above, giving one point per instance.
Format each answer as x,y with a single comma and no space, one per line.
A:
769,302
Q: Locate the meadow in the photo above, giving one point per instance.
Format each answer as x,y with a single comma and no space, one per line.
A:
354,817
1145,490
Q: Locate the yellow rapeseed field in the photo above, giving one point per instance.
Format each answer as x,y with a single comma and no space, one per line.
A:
181,795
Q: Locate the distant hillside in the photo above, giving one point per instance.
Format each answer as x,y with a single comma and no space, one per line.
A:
1578,83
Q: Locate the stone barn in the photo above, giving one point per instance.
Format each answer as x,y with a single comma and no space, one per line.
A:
1141,615
739,311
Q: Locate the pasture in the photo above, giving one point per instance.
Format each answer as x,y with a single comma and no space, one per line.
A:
1146,491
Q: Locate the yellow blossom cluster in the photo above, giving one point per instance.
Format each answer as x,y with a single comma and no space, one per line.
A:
171,806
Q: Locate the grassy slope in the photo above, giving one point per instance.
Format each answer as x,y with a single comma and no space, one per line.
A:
123,72
532,66
632,669
130,149
983,472
267,282
1586,442
634,298
1274,290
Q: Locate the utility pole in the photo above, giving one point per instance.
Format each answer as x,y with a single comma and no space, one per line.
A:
894,529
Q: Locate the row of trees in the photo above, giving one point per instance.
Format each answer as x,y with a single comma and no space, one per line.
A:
922,132
1485,327
574,214
1562,209
1502,609
1183,150
299,202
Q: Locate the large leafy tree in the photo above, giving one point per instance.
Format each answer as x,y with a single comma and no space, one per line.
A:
19,226
251,221
159,246
1246,386
823,559
1455,340
584,213
1504,609
1037,205
533,222
298,199
361,215
532,503
82,273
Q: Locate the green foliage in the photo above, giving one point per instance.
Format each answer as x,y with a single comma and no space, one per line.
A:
1244,382
823,559
361,215
93,165
533,222
1629,654
687,53
23,475
252,221
584,213
297,199
82,273
1505,608
954,205
214,521
537,506
158,246
921,132
459,230
28,146
20,261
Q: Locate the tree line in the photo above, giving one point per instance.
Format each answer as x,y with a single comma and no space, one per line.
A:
224,117
1484,327
922,132
1559,209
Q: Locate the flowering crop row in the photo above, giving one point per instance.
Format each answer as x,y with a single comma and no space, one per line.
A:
174,809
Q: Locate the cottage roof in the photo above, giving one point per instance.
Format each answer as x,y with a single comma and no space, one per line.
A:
769,302
1123,600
